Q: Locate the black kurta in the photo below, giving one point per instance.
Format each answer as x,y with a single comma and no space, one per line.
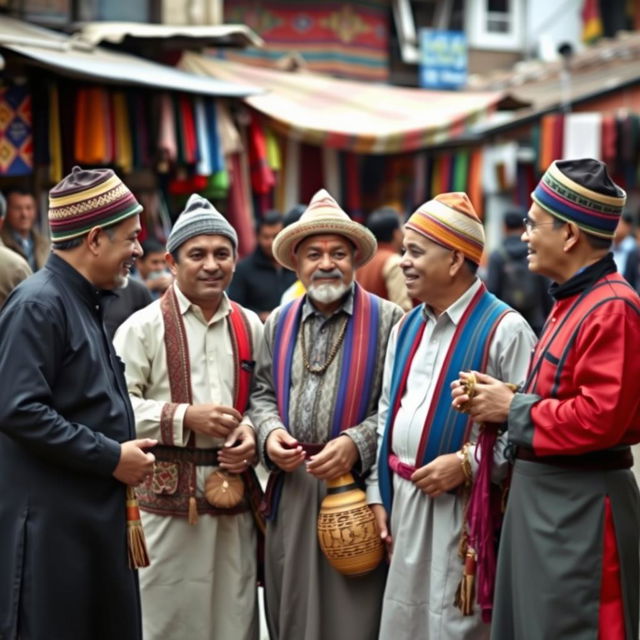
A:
64,408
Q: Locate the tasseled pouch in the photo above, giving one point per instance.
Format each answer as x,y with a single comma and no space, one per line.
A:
465,593
138,555
193,511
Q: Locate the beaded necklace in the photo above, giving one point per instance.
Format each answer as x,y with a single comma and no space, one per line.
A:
319,370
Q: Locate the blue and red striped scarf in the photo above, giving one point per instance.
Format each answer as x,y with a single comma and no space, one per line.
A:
360,348
445,429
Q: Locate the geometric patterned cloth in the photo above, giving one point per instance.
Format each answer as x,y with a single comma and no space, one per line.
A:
16,137
343,39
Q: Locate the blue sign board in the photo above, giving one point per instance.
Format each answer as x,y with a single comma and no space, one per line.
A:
443,59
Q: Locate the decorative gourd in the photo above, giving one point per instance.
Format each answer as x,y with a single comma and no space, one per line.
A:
223,490
347,529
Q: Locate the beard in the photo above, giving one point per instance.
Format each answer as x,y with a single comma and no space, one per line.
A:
121,281
327,293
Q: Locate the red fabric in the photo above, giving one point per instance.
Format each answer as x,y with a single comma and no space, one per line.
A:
597,403
558,137
238,208
242,339
609,138
262,179
353,201
611,621
188,126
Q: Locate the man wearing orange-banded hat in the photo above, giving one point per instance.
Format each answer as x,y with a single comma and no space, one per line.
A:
430,456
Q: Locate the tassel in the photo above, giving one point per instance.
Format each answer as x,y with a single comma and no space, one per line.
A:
138,555
193,510
465,593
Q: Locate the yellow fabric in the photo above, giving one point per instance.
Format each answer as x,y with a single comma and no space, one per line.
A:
55,142
124,151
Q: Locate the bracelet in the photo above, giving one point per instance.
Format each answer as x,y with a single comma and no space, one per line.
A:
465,462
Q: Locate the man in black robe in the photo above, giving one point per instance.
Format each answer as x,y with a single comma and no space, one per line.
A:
67,448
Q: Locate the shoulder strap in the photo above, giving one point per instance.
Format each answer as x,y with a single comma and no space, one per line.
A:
243,355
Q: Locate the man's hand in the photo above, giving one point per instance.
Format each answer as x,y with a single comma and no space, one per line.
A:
491,401
383,528
440,475
336,458
135,463
283,450
212,420
239,450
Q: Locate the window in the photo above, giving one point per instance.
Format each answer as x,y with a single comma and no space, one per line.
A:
495,24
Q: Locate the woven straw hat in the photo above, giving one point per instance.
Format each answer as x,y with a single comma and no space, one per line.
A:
323,216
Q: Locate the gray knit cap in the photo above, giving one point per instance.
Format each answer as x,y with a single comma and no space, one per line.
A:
199,218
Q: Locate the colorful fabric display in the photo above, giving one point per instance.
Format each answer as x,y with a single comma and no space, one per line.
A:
167,142
262,179
122,133
93,132
55,143
203,167
16,137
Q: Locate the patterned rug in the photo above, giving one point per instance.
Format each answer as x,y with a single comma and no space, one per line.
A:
16,141
344,39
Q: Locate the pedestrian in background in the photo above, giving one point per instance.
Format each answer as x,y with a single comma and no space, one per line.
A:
383,275
13,267
151,268
19,232
568,564
259,280
67,451
509,277
625,250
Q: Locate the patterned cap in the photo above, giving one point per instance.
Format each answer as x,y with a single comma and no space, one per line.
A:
323,216
199,218
88,198
451,221
581,191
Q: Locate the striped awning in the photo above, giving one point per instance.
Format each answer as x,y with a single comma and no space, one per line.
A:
350,115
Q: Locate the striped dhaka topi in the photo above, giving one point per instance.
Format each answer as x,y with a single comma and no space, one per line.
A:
200,218
323,216
581,191
451,221
88,198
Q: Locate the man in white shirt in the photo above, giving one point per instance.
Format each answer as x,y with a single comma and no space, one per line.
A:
188,363
427,454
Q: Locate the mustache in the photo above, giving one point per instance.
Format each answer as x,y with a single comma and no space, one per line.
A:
334,273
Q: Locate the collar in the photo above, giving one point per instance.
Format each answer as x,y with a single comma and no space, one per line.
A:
456,310
75,280
309,309
184,304
584,278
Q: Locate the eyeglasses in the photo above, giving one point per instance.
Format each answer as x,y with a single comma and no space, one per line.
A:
530,224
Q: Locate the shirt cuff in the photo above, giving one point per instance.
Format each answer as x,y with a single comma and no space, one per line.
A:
269,425
521,427
367,454
373,493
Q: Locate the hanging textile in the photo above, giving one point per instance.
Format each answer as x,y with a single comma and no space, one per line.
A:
227,130
39,90
16,136
262,179
122,133
474,187
203,167
582,135
557,145
545,153
139,129
461,170
167,142
435,176
420,170
274,159
93,133
56,171
187,128
239,206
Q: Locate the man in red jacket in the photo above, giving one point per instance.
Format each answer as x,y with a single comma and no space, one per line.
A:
568,564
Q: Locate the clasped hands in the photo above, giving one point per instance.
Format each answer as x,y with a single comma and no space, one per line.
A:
336,458
490,401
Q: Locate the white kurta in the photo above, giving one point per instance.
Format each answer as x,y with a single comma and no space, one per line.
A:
201,584
425,568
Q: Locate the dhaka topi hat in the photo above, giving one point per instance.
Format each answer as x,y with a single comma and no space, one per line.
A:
88,198
200,218
581,191
323,215
451,221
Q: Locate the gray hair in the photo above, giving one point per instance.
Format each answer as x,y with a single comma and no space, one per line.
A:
3,206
